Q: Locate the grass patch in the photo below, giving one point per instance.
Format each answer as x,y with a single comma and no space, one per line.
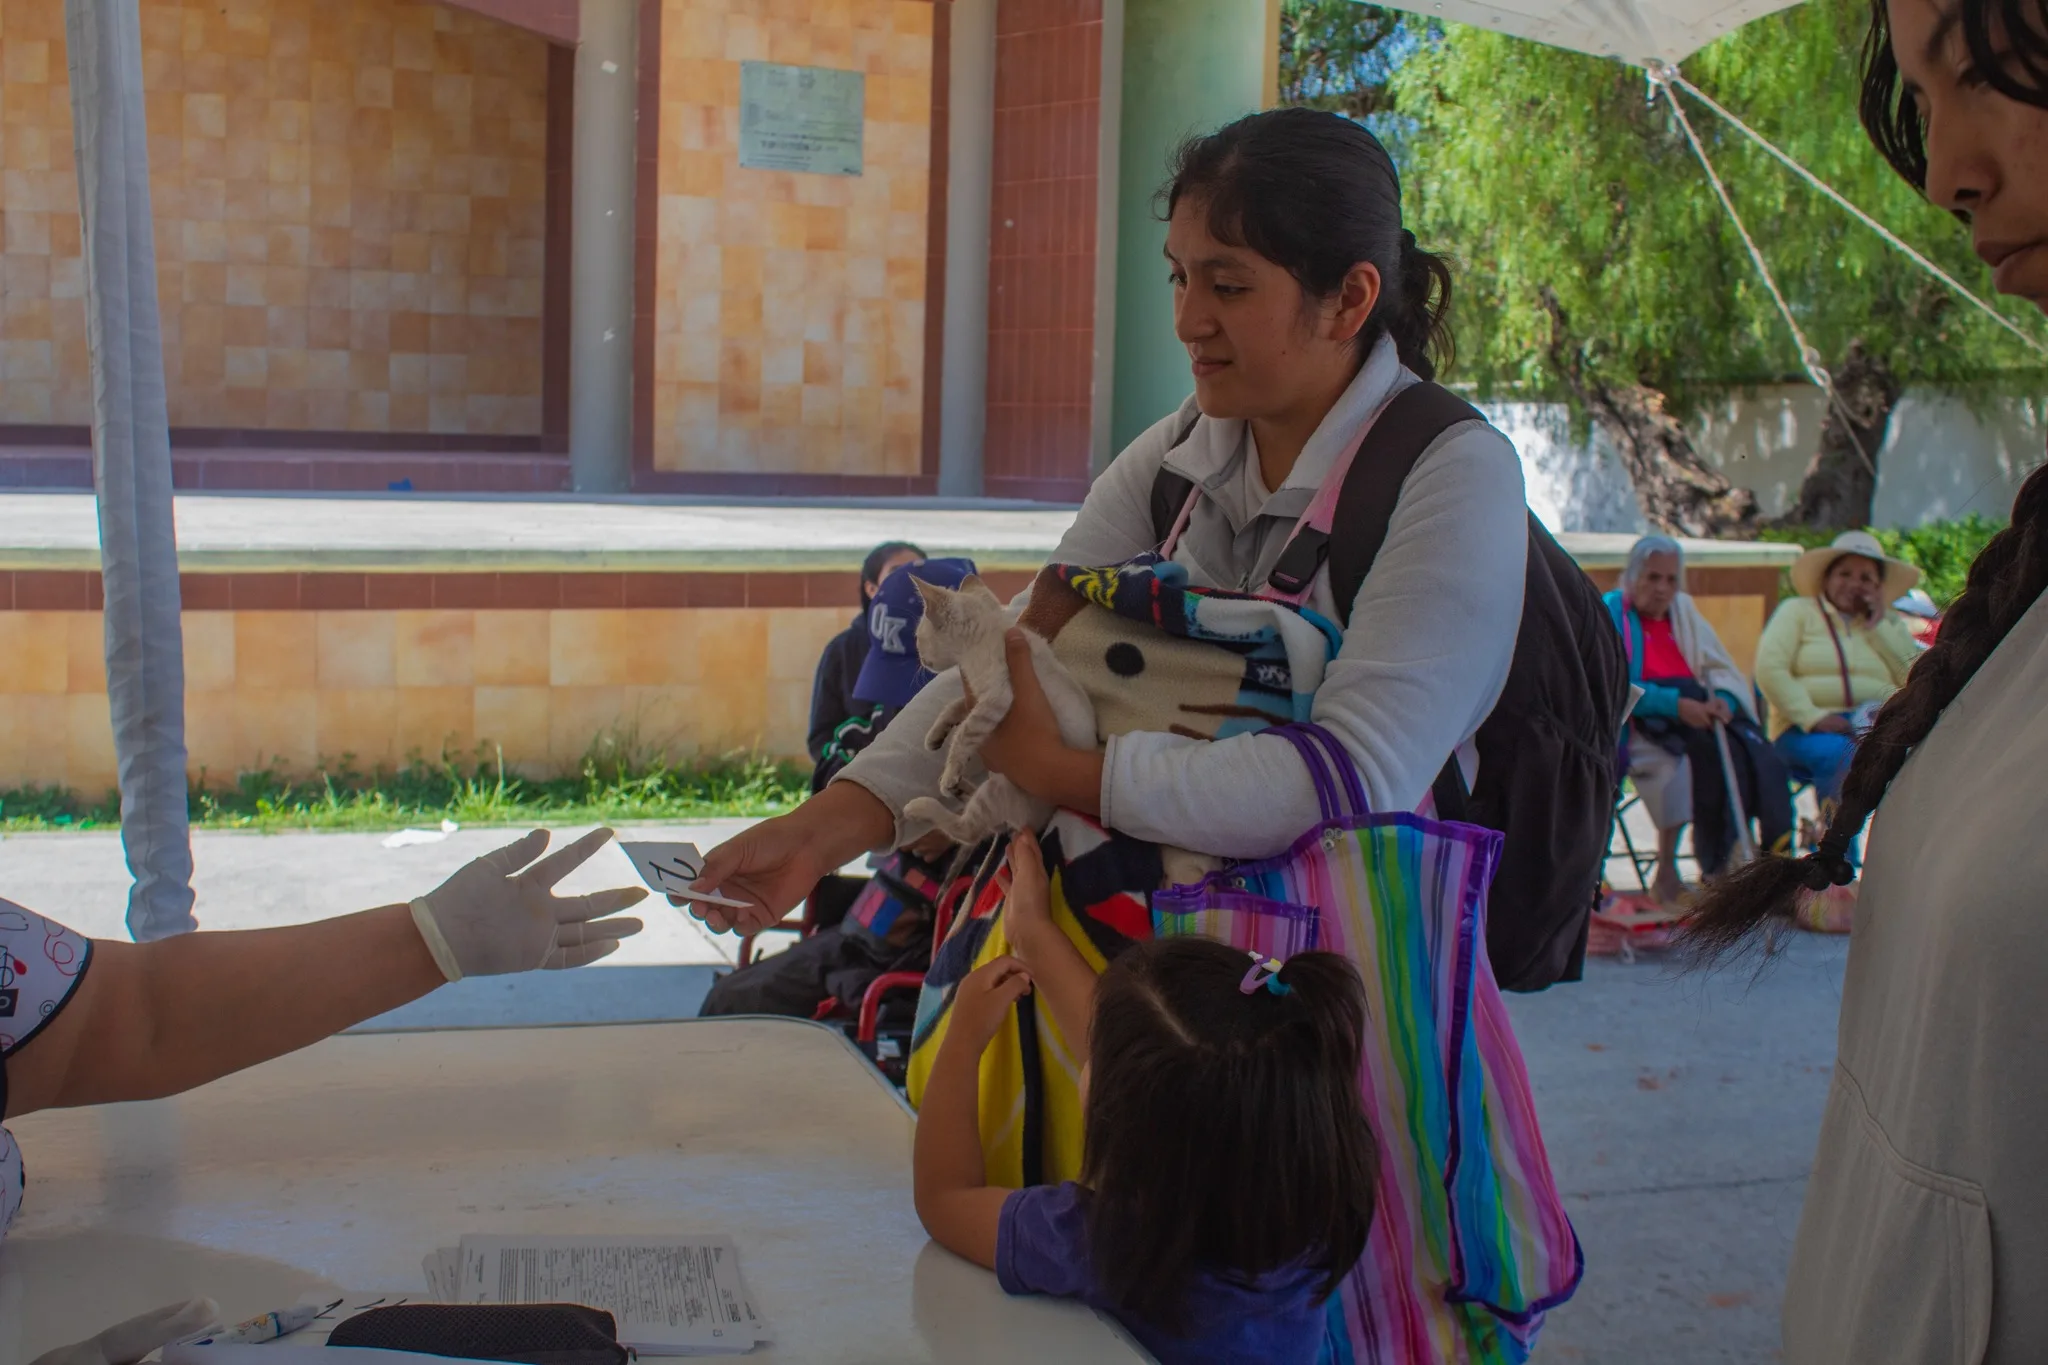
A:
616,781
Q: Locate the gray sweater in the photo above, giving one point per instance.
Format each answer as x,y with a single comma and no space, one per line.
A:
1431,636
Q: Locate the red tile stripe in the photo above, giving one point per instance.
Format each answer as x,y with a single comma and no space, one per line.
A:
79,590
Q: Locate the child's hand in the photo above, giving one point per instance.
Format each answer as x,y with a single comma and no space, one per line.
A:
984,998
1027,912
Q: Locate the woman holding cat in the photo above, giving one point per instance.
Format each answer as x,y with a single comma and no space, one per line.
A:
1304,306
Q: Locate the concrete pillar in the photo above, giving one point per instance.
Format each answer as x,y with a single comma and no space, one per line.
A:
1102,447
1189,66
970,156
601,249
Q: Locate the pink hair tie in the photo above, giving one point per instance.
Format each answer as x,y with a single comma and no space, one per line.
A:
1265,971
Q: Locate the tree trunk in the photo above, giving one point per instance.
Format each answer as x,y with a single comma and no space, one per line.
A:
1841,479
1678,492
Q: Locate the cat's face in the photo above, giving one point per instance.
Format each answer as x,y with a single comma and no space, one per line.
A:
955,620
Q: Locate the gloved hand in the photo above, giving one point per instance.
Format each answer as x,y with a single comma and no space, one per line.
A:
127,1342
491,918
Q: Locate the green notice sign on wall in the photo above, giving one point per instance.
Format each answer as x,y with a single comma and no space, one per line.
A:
801,118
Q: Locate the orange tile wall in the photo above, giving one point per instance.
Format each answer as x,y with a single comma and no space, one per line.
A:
790,309
349,198
1041,335
298,690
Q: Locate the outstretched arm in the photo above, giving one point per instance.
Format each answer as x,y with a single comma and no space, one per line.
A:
1060,976
153,1019
954,1201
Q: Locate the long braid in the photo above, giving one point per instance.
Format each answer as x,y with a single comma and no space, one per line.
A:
2004,582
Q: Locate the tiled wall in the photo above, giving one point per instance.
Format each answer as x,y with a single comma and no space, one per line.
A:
1041,342
789,310
350,207
299,688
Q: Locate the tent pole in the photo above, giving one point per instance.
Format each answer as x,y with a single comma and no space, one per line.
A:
132,462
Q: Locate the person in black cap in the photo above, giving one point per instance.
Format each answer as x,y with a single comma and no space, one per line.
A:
869,925
832,704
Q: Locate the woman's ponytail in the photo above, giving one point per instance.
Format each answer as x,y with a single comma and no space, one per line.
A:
2004,582
1416,310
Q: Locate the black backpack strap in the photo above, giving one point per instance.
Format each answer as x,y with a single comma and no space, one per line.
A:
1411,424
1170,490
1365,507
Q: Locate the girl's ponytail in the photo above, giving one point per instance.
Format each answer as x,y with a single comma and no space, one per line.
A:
2004,583
1416,310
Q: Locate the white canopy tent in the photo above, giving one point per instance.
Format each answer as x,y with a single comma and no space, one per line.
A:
132,461
1636,31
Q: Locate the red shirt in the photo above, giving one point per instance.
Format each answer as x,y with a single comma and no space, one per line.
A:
1661,660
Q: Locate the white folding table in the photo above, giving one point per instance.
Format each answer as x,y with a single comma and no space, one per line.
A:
344,1164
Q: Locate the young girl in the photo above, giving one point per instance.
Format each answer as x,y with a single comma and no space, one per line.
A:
1228,1183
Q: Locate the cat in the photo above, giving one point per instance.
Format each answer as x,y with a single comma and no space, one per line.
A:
965,628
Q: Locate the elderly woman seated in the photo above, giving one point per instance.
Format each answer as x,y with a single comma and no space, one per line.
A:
1694,699
1831,655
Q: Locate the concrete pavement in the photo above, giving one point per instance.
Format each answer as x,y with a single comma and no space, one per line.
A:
1680,1111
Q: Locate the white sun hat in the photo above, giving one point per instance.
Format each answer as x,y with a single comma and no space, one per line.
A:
1810,570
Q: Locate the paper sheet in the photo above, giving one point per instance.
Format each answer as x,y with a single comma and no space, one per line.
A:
670,868
671,1296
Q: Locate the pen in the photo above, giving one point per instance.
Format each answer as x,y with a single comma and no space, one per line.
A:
266,1327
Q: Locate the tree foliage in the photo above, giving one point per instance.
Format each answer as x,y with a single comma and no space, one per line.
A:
1565,189
1340,55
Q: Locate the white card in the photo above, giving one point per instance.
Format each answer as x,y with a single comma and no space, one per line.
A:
670,868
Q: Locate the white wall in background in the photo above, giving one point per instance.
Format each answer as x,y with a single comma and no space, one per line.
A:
1942,456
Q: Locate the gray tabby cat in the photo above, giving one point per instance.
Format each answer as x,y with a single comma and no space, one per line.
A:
965,629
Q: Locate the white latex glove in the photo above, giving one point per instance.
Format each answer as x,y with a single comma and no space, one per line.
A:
127,1342
490,918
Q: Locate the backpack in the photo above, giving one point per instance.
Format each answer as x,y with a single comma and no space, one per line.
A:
1546,754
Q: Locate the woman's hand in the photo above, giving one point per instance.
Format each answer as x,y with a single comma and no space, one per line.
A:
1027,746
775,864
1833,723
983,1000
1702,715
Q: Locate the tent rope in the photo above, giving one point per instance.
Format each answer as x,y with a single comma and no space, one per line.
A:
1667,75
1662,78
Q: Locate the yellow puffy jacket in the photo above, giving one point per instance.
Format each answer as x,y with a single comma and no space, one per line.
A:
1801,675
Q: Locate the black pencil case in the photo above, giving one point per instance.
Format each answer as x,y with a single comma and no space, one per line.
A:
524,1334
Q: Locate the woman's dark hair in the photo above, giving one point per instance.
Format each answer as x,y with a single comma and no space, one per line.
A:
2008,45
878,558
1316,194
1224,1131
2004,581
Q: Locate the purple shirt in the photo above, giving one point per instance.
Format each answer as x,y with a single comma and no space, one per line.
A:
1278,1319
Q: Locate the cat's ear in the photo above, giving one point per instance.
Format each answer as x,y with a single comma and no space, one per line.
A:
972,586
941,605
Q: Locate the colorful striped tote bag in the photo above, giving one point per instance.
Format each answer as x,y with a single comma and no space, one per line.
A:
1471,1243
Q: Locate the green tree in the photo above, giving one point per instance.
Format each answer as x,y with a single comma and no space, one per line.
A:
1339,55
1600,268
